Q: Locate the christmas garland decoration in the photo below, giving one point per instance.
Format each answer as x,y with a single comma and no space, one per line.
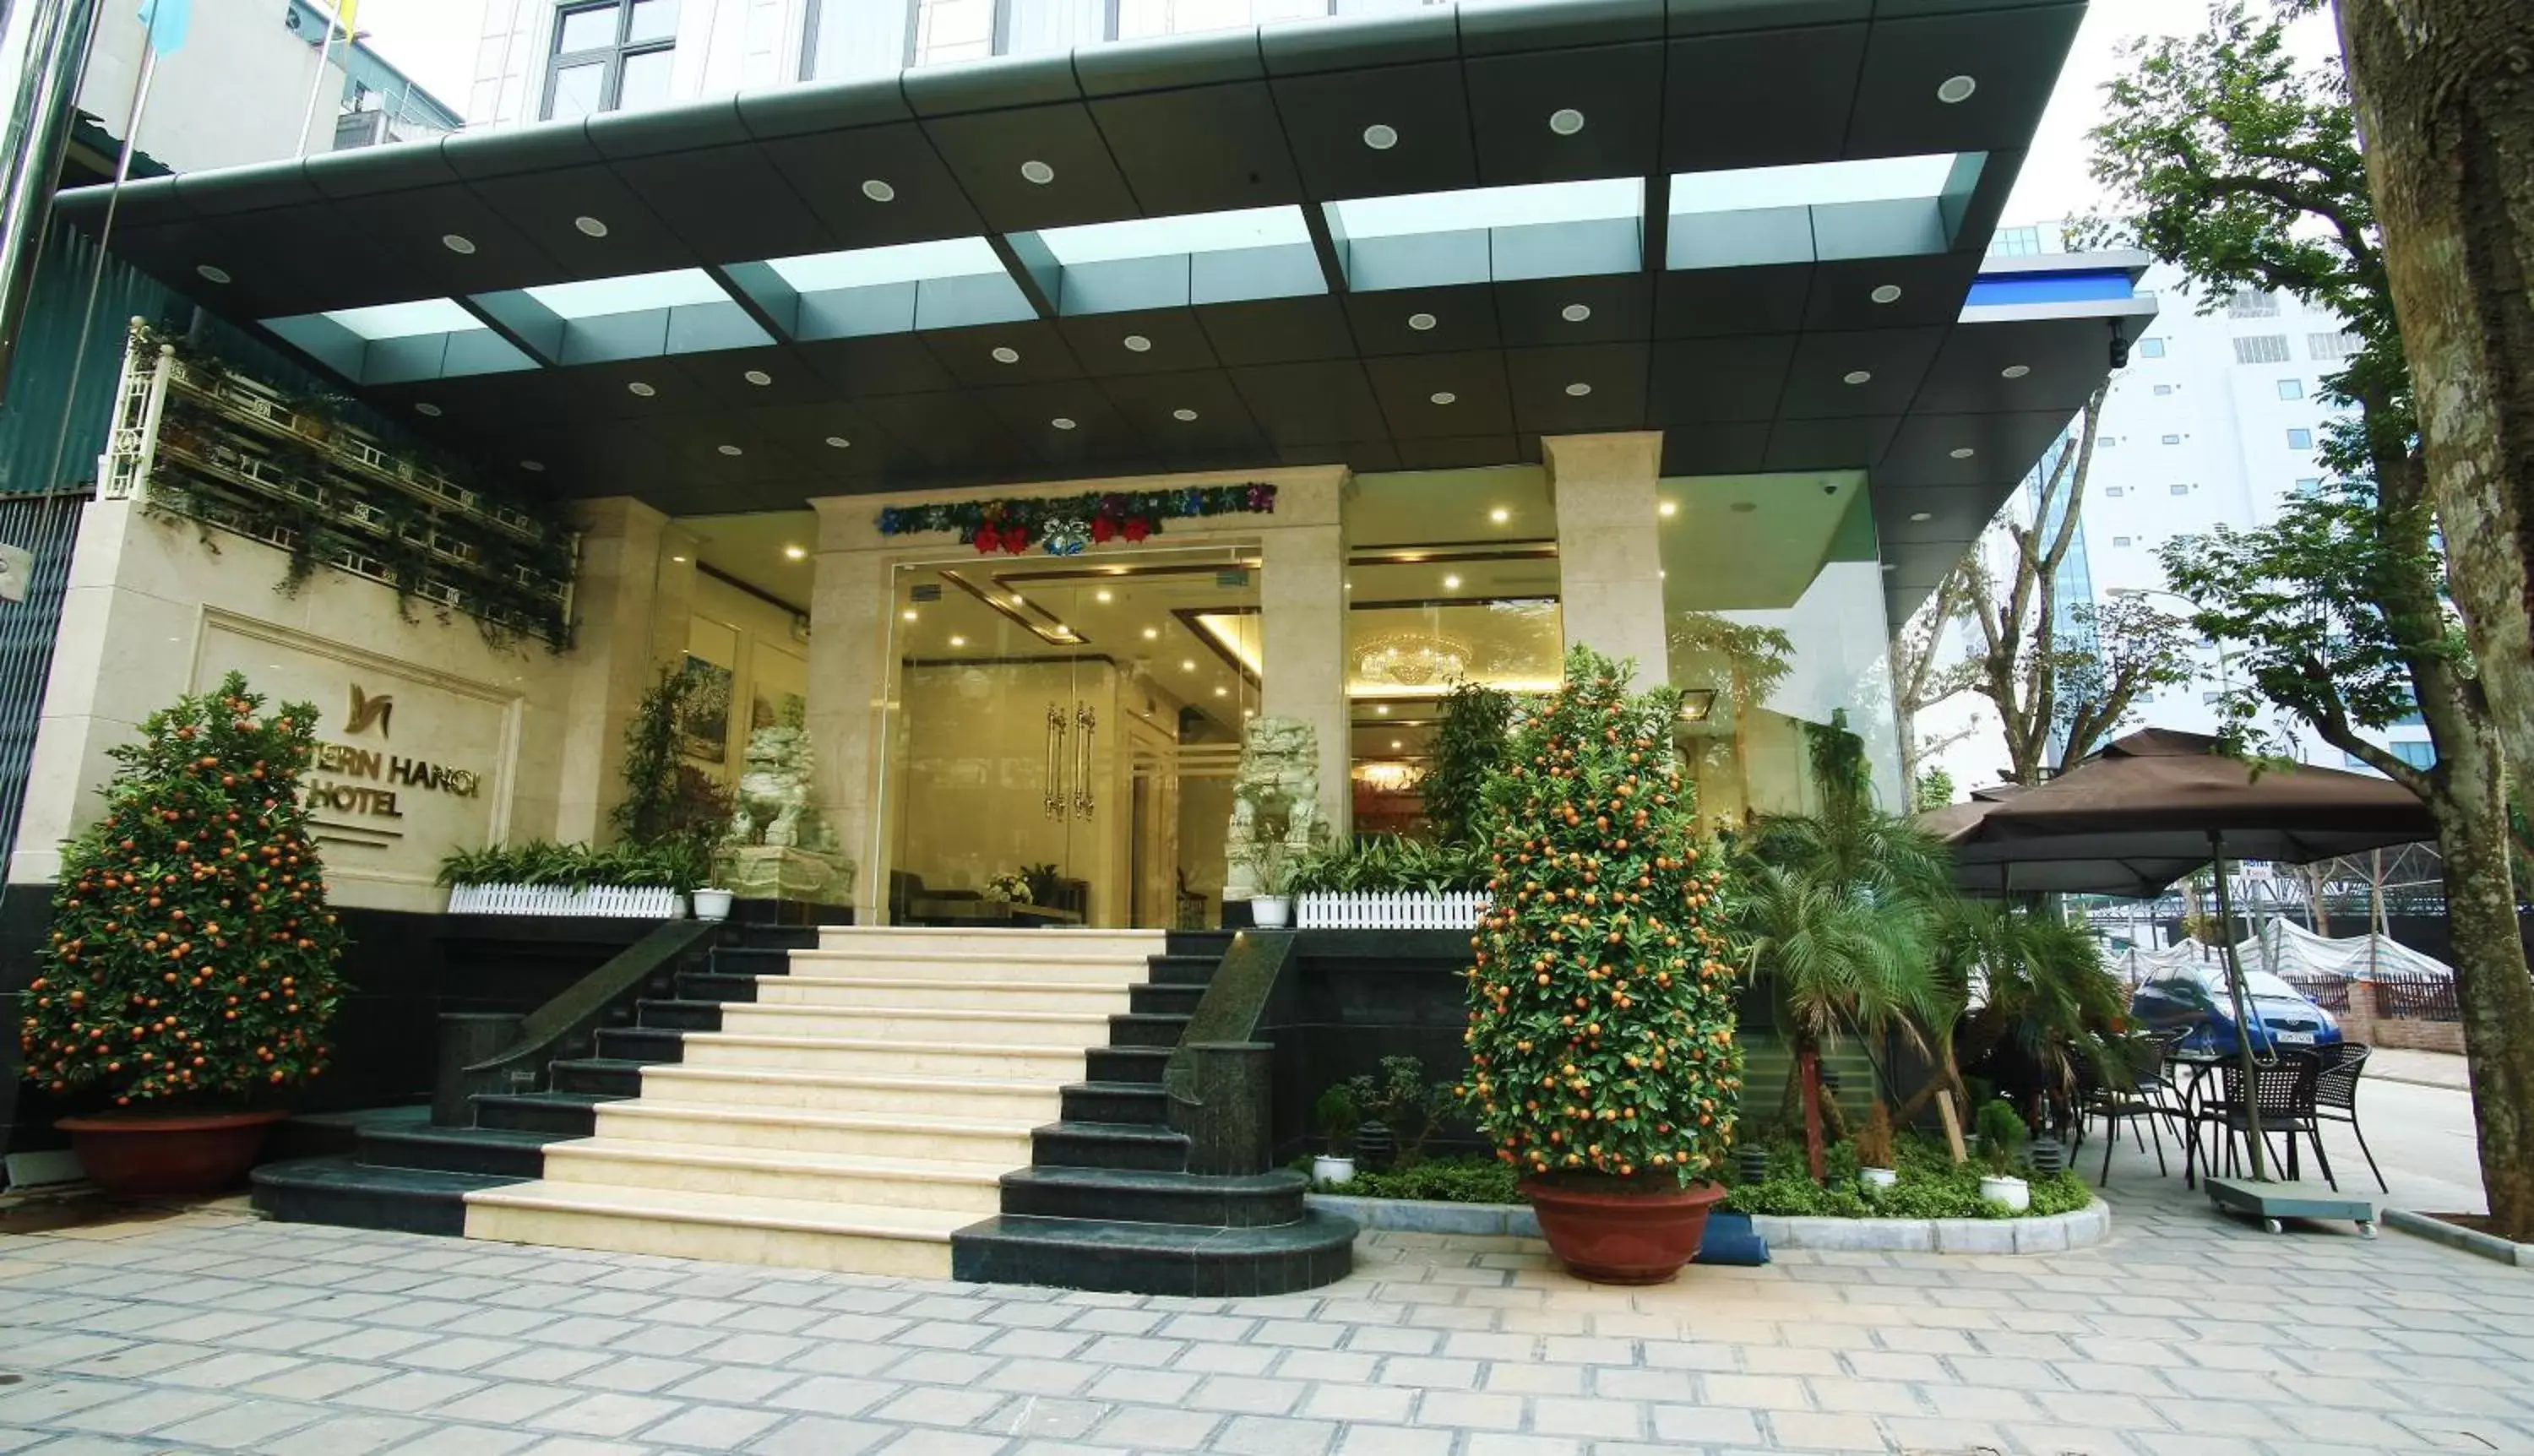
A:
1065,526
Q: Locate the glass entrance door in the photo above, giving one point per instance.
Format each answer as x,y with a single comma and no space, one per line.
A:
1061,734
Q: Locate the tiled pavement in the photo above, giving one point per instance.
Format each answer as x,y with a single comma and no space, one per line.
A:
2184,1336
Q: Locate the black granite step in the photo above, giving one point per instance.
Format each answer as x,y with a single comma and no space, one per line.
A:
561,1114
1132,1195
751,960
1156,1258
339,1190
1144,1029
1128,1064
641,1043
716,986
1209,944
1182,970
1109,1146
1116,1102
678,1015
498,1152
599,1076
753,936
1165,1001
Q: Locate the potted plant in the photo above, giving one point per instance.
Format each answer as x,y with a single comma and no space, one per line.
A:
2001,1135
1272,907
1338,1117
190,971
1601,1005
1012,888
1874,1167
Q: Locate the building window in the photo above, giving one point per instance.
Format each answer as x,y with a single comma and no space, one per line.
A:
2178,490
2108,440
2291,389
2150,348
2308,484
2419,753
2164,388
2252,303
2016,242
2300,439
611,56
2211,696
2115,491
950,30
2262,348
2331,346
2173,439
2119,540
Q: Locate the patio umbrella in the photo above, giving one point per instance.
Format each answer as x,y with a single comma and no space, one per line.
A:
1982,868
2159,798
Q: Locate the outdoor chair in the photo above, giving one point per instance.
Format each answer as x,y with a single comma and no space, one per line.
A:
2284,1091
2142,1100
2335,1097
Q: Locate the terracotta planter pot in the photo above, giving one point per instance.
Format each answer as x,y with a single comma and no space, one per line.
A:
159,1155
1618,1234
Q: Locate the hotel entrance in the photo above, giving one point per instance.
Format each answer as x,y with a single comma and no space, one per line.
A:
1060,737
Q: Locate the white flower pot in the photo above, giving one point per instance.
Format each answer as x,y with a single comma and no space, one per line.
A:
712,904
1327,1171
1271,912
1876,1180
2011,1193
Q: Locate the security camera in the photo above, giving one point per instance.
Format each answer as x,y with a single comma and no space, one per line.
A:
2120,350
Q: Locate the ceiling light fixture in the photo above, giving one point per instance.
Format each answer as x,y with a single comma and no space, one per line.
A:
1223,693
908,615
1922,518
1183,416
590,227
427,409
1152,634
838,441
676,558
640,388
1576,313
1017,598
1451,583
1381,708
1579,389
759,378
211,274
533,467
878,191
1964,453
1888,293
958,642
1005,354
1104,594
1421,321
1857,377
1667,508
1500,515
1957,90
1062,423
795,553
1037,173
1891,565
1443,396
1566,121
2014,371
1381,136
464,247
729,449
1187,664
1396,745
1137,344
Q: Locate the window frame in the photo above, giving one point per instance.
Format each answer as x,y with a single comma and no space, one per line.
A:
2296,444
2150,347
610,57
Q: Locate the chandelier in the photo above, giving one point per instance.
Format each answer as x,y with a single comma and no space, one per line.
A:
1412,659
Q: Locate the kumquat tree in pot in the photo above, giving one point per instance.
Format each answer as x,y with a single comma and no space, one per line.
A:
190,971
1603,1061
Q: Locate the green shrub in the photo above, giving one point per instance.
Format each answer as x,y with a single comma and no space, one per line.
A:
1929,1185
1470,1180
679,865
1387,863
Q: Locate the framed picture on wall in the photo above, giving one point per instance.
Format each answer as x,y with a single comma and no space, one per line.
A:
706,724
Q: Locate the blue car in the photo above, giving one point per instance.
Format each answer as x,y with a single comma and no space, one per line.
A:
2197,998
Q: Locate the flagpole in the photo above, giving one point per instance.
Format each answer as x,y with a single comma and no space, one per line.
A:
317,87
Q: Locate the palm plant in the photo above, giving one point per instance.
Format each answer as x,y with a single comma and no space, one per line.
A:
2035,989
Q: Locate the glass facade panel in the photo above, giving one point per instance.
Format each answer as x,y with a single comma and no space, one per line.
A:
645,80
591,27
653,20
579,90
953,31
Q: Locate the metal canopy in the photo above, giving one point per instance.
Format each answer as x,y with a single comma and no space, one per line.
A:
1741,334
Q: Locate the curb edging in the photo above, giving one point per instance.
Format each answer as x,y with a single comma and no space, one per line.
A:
2457,1236
2055,1234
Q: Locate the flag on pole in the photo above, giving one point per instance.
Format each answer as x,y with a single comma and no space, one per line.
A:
345,13
166,21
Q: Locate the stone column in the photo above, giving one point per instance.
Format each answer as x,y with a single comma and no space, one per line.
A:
1302,601
850,685
1609,554
631,603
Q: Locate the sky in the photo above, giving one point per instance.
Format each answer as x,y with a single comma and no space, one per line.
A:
434,41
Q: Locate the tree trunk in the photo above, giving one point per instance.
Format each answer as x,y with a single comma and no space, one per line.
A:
1808,1068
2444,96
2492,984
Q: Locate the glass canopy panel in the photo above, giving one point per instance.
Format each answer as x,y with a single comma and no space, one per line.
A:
907,263
1813,184
1166,238
414,320
634,293
1483,207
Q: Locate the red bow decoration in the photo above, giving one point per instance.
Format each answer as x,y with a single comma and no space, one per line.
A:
987,540
1016,539
1103,528
1137,528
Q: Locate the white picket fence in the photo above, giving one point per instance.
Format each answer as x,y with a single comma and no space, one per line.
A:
618,901
1390,910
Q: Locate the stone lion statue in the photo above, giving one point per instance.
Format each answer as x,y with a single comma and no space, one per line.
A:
773,806
1274,800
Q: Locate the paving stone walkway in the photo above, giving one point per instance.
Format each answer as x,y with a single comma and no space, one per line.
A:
2184,1336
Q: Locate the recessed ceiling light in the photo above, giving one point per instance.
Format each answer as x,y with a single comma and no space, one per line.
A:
1964,453
1500,515
427,408
838,441
1036,172
1350,587
1396,745
1152,634
1669,508
1579,389
1005,354
676,558
1381,136
591,226
1137,344
1857,377
1451,583
1104,594
1381,708
1421,321
1566,121
1576,313
461,246
1891,565
1249,713
640,388
878,191
759,378
908,615
1957,90
2014,371
1922,515
211,275
1062,423
1223,693
533,467
1183,416
1442,396
1187,664
1888,293
958,642
727,450
1017,598
794,553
